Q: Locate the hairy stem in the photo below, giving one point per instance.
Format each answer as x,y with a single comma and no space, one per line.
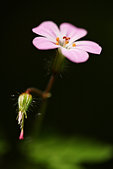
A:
50,84
44,95
58,66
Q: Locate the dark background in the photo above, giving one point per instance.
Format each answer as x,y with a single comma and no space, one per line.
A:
82,100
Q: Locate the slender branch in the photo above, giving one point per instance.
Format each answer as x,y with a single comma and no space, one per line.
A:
46,93
35,91
50,83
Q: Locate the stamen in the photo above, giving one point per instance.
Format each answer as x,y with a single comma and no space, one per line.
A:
66,42
73,44
57,43
57,39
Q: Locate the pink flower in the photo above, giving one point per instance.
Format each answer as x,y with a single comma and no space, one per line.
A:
65,38
21,137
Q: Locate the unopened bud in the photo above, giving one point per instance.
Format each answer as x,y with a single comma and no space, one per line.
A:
24,102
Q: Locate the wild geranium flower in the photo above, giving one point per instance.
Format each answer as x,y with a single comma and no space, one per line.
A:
65,38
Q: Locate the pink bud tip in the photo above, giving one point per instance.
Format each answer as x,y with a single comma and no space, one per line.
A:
21,137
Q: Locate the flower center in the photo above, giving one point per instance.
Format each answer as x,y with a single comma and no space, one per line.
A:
64,41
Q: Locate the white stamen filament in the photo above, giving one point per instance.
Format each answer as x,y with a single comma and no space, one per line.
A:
19,117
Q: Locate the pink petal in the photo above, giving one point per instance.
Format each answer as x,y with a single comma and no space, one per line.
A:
75,55
89,46
48,29
43,43
72,31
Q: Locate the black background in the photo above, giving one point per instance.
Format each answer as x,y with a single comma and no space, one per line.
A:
82,100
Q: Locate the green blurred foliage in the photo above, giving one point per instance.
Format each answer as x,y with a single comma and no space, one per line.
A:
56,152
4,148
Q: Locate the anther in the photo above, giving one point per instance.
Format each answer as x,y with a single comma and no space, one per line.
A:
66,42
57,39
57,43
73,44
64,37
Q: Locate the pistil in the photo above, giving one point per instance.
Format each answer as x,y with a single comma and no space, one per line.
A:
66,40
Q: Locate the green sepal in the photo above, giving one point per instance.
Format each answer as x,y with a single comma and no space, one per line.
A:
24,102
59,62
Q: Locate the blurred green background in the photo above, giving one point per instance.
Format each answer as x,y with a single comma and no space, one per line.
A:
77,131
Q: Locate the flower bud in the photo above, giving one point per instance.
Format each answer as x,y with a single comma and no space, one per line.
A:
24,102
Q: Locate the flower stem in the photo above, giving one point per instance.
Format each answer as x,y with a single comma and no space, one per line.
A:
58,66
44,95
38,121
50,83
34,90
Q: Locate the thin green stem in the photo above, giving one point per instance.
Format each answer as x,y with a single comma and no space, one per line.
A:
38,121
45,96
57,67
